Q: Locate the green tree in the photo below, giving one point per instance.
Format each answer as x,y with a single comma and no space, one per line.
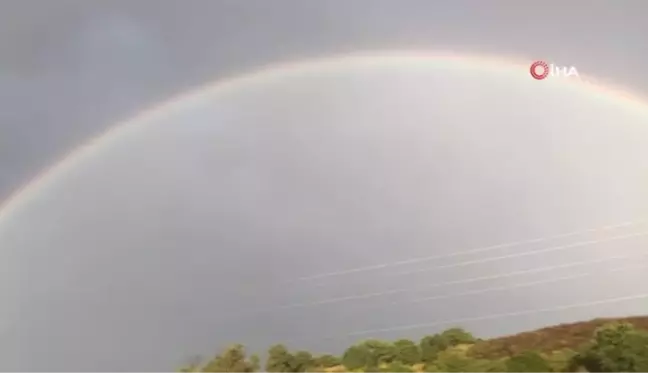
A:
456,336
617,347
432,368
396,366
380,352
498,365
431,346
233,359
455,361
327,361
279,359
528,361
255,361
407,352
356,357
302,361
560,360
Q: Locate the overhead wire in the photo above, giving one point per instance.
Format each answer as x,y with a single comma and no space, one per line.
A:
499,316
482,278
523,284
465,252
526,253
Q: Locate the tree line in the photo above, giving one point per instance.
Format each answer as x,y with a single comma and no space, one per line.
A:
615,347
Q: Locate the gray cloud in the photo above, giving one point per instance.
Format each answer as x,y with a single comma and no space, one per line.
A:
151,251
75,89
163,244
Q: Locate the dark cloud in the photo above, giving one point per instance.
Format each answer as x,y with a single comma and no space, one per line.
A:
126,261
166,243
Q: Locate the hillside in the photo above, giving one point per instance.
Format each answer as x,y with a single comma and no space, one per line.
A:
599,345
550,338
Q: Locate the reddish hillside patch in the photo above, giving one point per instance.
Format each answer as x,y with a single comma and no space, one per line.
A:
548,339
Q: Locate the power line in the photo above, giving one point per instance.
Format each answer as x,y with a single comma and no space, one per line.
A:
521,285
526,253
481,278
472,251
501,315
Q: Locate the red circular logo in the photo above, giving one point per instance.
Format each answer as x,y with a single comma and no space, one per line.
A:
539,65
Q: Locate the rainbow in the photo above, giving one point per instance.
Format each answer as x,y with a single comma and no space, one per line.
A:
183,100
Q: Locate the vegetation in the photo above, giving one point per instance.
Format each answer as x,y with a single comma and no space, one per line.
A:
601,345
554,338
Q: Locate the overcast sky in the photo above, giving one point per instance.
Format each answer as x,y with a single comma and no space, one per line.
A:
147,253
70,68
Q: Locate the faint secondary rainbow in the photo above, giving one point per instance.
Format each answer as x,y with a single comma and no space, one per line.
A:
76,156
